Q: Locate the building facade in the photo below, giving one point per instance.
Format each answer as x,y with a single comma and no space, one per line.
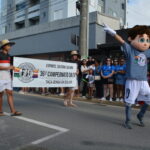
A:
21,14
3,16
54,40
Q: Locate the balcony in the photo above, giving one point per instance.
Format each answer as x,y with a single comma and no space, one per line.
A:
34,11
34,14
34,8
19,1
20,16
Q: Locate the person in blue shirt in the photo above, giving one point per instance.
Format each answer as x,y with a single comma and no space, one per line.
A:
115,91
136,52
107,73
120,79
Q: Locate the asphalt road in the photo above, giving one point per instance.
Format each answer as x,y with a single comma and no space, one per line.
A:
47,125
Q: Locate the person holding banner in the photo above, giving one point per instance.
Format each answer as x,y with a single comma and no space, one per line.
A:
68,100
5,77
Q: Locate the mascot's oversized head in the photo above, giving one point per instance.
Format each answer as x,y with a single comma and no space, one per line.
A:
139,37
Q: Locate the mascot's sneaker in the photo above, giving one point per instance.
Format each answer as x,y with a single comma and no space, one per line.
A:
140,121
127,125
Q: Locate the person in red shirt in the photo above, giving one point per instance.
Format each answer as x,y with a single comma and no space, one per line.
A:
5,77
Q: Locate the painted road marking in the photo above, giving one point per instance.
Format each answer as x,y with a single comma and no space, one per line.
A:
50,126
46,138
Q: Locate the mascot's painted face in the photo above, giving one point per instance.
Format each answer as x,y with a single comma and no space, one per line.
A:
141,42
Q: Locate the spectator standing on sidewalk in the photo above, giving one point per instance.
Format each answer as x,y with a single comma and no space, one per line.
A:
5,76
98,81
120,79
90,61
107,73
115,91
90,78
84,70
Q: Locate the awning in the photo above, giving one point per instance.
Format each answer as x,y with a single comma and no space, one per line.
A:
112,46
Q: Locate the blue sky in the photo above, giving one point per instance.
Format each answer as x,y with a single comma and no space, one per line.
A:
138,12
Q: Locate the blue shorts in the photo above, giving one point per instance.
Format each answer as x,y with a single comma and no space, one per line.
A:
120,81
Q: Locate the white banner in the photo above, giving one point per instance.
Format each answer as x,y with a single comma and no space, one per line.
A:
42,73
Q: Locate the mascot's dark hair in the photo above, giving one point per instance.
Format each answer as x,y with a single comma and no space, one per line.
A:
138,30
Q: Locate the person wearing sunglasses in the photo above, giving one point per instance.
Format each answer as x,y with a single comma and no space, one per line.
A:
107,72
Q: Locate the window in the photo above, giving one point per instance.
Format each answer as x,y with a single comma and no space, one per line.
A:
20,6
58,14
20,25
34,2
44,14
34,21
101,6
3,29
123,6
92,3
101,2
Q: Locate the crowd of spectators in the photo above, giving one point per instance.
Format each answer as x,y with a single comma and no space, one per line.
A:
103,80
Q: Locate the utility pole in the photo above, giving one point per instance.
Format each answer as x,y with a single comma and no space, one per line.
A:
84,29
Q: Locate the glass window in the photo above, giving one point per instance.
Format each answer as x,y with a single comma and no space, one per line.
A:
92,3
123,6
101,5
20,6
34,2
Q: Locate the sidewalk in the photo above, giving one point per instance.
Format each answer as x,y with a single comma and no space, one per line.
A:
93,100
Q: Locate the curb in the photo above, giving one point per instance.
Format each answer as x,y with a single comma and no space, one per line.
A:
93,100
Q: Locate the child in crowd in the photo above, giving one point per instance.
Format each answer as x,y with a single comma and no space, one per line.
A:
90,78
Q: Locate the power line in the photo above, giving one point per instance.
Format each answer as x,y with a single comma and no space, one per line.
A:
13,11
45,6
137,12
28,4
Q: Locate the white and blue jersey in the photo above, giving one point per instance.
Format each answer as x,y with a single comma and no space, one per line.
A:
136,73
136,64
